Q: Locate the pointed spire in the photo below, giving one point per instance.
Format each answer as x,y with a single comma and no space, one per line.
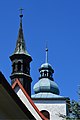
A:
21,61
20,45
46,54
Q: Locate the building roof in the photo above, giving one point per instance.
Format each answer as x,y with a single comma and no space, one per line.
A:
20,48
46,85
17,82
46,66
49,96
11,103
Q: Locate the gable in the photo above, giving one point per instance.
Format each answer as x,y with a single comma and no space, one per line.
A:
11,107
20,91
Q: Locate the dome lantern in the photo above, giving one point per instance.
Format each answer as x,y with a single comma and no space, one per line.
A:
46,82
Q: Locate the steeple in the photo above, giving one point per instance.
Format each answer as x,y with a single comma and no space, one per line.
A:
21,61
20,44
46,82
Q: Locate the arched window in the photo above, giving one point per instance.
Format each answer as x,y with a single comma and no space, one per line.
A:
41,74
45,73
49,74
46,114
19,66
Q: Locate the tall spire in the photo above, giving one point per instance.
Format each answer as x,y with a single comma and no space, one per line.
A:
20,45
21,61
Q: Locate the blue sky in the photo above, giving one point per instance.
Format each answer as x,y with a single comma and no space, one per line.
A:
54,21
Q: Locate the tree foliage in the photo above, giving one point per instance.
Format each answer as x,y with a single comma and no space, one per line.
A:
74,112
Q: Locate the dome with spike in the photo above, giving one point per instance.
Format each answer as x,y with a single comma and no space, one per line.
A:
46,85
46,82
46,66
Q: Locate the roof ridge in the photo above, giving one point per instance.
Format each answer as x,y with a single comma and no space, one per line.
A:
30,100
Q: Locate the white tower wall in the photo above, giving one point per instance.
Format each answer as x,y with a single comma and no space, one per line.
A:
54,107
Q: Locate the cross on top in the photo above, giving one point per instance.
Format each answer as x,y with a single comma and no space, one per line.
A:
21,15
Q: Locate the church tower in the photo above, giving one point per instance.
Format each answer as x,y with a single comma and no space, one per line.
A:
21,61
47,95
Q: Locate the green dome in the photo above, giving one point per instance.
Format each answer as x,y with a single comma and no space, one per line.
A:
46,65
46,85
46,82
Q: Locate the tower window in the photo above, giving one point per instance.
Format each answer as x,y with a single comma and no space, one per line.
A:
46,114
45,73
49,74
41,74
19,66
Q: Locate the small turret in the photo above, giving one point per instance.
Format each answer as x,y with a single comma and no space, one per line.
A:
46,82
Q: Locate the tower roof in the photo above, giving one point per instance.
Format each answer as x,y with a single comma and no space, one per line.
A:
46,83
21,61
20,44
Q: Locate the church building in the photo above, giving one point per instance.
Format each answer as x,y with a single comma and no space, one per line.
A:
16,101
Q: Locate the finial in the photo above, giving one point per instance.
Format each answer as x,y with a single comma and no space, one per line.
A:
46,54
21,15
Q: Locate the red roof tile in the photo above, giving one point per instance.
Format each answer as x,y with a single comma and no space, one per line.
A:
17,82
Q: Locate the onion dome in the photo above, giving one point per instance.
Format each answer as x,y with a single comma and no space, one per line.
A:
46,85
46,65
46,82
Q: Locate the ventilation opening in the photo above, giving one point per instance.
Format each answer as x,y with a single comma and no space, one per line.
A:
46,114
